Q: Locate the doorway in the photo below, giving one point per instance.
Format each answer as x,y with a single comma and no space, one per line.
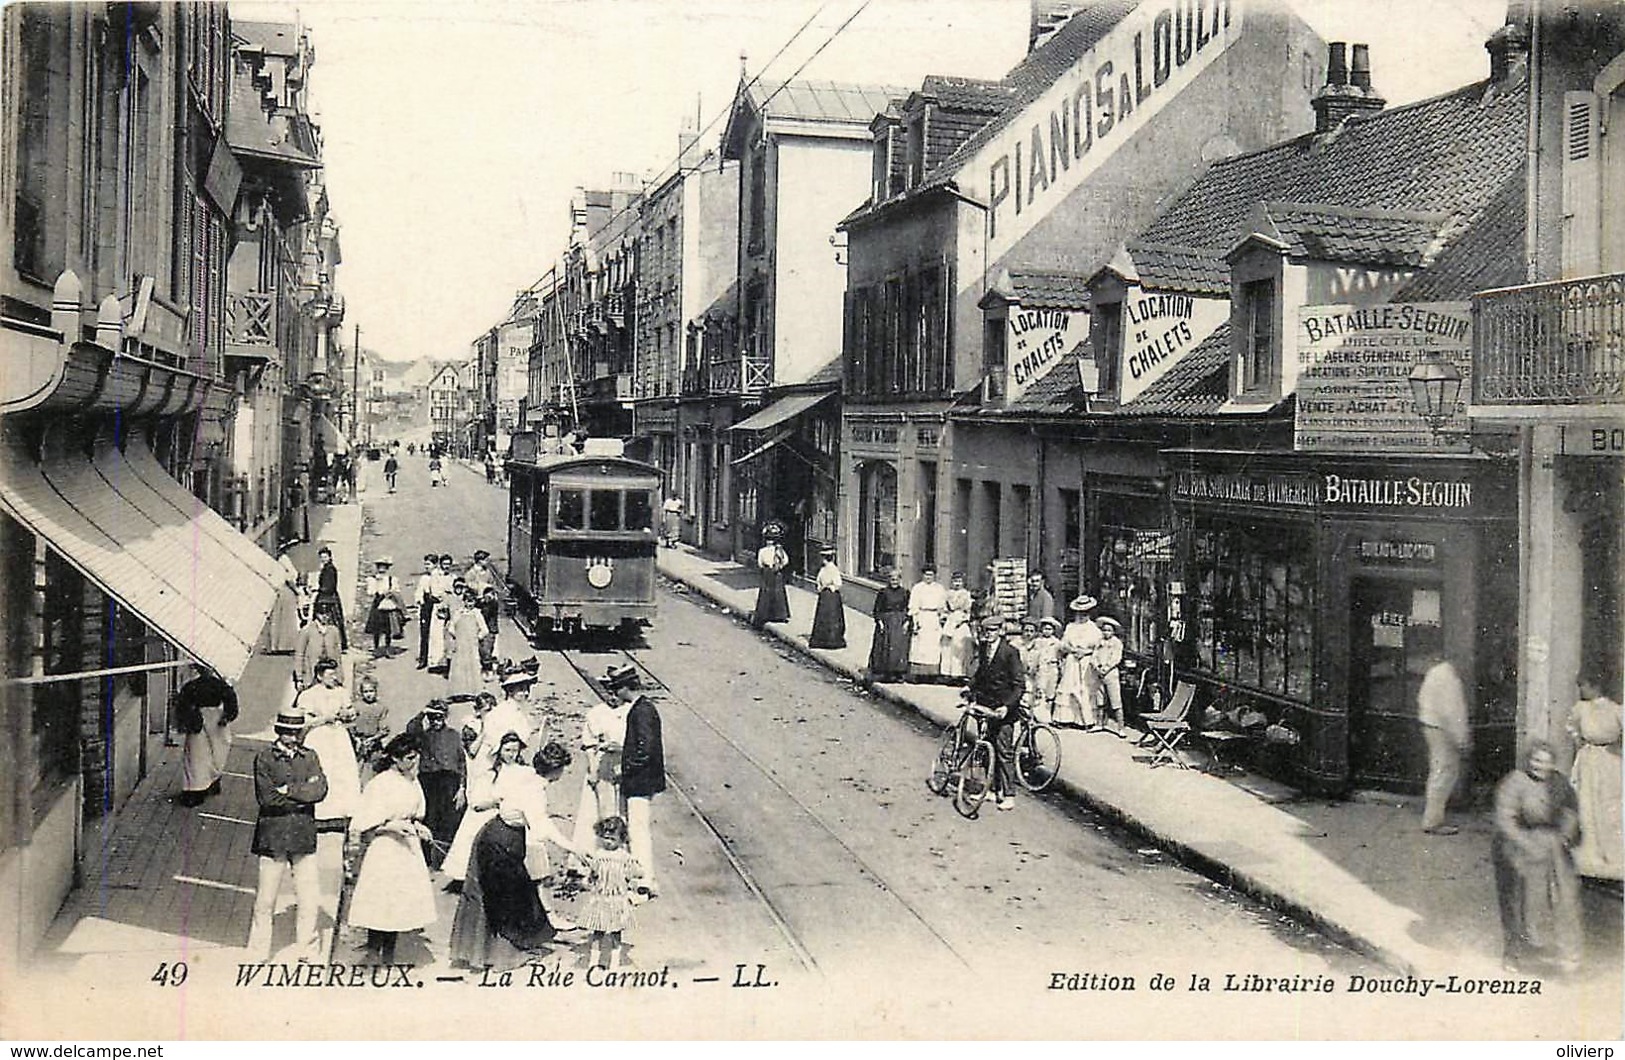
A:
1395,621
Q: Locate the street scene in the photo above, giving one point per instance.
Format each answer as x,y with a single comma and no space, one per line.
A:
1104,523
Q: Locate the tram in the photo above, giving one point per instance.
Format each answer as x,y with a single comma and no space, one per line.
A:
581,539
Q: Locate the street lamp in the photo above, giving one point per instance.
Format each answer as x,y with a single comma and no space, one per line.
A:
1435,388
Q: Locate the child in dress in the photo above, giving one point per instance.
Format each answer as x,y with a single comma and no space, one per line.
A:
606,908
1029,660
1046,652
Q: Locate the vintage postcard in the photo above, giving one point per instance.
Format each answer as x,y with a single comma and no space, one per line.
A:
878,519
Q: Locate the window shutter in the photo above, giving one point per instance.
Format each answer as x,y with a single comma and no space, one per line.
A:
1582,218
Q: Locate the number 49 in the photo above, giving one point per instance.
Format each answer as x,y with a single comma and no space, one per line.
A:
170,974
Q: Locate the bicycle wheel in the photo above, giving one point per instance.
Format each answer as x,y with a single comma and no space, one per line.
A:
1038,756
975,780
946,762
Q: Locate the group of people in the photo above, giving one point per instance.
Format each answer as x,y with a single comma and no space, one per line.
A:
458,617
463,797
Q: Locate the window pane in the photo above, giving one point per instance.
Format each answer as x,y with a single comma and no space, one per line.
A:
572,513
606,510
639,510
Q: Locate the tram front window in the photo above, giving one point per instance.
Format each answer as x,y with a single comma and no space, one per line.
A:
606,510
639,510
572,512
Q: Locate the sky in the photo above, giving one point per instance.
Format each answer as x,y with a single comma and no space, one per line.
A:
455,131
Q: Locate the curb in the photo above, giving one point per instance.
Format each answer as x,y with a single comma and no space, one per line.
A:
1188,856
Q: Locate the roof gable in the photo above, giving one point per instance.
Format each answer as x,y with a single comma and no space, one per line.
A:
835,104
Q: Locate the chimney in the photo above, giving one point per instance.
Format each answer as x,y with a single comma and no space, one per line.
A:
1348,90
1509,46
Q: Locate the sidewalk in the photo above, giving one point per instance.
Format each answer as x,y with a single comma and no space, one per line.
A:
161,878
1360,871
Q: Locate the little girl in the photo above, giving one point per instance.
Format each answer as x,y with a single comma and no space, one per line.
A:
1029,660
606,908
1046,651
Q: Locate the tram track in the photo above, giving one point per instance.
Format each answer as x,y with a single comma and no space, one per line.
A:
739,860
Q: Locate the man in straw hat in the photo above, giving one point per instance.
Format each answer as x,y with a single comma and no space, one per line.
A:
995,693
1075,691
288,783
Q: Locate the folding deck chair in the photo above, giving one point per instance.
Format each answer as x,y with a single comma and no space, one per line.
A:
1169,726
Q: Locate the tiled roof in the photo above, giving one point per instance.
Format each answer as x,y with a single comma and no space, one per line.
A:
1039,289
1450,154
828,374
1488,254
1191,270
968,93
1057,392
1197,385
1040,69
1351,234
830,101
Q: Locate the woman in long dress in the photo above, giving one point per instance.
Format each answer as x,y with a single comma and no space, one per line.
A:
328,711
284,636
602,734
392,890
1074,691
829,618
384,620
500,907
1536,824
205,707
463,637
958,646
485,789
327,593
926,603
888,652
1594,725
772,603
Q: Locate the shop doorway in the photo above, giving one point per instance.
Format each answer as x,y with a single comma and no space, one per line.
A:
1394,623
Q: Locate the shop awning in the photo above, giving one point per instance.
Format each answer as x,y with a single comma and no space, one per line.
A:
777,437
333,439
781,410
161,561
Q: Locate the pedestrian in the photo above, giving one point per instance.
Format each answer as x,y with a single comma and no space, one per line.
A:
443,776
448,595
512,714
384,618
320,640
288,783
500,915
490,469
369,727
1027,647
1105,668
1441,707
427,597
327,592
1075,688
643,773
1537,822
603,734
392,892
286,618
463,636
958,638
297,528
671,520
488,778
997,688
1594,726
352,474
829,617
888,652
338,479
490,608
205,707
392,469
772,604
480,576
437,471
926,603
326,710
1040,604
1047,658
606,909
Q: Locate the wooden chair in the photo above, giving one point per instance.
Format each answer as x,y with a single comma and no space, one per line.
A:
1169,727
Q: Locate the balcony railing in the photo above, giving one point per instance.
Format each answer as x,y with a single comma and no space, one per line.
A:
1560,343
251,322
739,375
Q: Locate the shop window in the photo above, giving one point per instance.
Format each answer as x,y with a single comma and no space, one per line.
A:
1257,373
572,512
1129,580
1071,543
877,506
1252,595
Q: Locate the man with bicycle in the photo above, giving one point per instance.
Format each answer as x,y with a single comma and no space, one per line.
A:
995,696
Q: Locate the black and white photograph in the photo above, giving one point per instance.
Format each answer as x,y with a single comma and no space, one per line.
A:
811,520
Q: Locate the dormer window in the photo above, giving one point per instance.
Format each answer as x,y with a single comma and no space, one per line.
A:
1256,374
1106,339
916,149
994,356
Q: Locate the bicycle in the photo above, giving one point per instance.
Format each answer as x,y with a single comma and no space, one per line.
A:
964,763
1037,752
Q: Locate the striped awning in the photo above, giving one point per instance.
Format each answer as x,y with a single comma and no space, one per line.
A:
146,542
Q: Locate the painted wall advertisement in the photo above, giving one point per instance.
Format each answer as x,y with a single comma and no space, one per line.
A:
1159,330
1354,366
1038,340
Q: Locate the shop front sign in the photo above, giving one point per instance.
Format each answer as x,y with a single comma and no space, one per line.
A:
1591,439
1396,551
870,434
1354,366
1410,492
1284,491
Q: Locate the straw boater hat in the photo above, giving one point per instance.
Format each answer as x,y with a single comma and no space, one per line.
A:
384,561
480,554
517,677
1083,603
1107,622
289,720
773,529
619,677
1049,623
827,550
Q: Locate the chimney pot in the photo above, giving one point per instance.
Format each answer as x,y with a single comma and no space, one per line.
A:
1337,69
1360,74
